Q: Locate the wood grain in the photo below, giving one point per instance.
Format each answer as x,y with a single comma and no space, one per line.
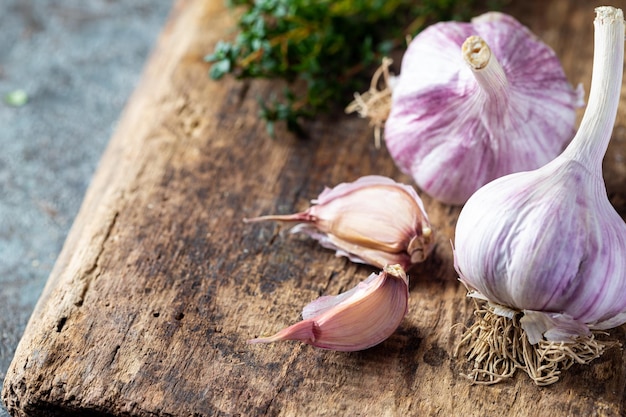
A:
160,283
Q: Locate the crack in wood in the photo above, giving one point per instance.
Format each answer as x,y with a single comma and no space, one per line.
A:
332,275
282,378
93,267
60,324
114,355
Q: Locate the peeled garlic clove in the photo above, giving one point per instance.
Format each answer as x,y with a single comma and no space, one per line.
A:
476,101
373,220
547,245
355,320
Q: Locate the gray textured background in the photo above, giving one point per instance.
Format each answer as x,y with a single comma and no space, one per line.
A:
78,61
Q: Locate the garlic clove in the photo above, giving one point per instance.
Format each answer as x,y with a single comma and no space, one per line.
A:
373,220
355,320
547,244
507,107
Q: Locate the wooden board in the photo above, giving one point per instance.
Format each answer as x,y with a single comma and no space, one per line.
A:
160,283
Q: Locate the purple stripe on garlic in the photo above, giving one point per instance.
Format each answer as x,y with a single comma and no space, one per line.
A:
547,245
455,126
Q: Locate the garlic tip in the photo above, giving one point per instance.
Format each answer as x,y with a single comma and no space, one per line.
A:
609,13
476,52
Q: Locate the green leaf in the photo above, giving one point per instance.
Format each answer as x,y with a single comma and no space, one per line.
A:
219,69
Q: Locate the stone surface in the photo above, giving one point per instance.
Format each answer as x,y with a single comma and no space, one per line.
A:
78,62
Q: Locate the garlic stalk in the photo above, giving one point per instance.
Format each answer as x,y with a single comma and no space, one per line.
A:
476,101
355,320
545,248
373,220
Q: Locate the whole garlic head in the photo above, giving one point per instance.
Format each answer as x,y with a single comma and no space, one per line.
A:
552,248
547,244
476,101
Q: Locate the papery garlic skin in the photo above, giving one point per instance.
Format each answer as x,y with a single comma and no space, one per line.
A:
373,220
548,242
453,132
355,320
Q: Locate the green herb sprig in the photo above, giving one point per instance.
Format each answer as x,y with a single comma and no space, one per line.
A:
320,47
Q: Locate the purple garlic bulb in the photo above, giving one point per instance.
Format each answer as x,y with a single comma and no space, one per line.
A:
546,248
476,101
373,220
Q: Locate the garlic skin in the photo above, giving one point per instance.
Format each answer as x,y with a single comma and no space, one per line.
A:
548,243
373,220
463,115
354,320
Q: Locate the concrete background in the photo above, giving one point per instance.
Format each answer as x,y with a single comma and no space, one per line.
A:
78,61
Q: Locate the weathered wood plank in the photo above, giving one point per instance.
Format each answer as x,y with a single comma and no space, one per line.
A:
160,283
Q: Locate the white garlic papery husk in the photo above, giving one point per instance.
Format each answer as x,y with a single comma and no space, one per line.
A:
456,125
546,248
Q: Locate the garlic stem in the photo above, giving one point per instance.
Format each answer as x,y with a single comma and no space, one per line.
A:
590,143
489,75
485,66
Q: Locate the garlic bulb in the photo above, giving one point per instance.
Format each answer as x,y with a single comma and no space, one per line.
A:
373,220
355,320
545,248
467,111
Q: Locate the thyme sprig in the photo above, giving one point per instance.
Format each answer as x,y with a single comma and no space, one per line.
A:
320,47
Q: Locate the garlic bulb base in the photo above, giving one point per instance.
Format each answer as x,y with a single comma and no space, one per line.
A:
498,346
